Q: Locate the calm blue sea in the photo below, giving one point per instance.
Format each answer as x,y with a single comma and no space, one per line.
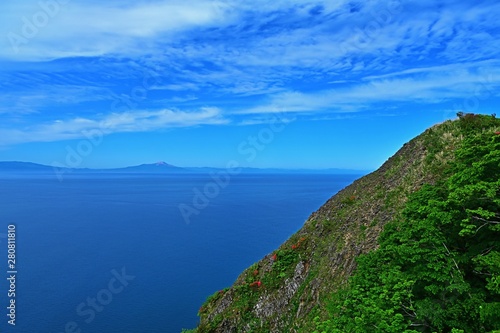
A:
113,253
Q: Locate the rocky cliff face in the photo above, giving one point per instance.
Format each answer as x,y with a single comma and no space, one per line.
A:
285,290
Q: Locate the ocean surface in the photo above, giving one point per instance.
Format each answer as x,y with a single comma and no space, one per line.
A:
115,253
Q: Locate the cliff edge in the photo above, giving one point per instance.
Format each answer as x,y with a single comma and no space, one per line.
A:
289,287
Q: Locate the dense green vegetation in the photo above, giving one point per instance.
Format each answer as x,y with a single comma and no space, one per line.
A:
412,247
437,268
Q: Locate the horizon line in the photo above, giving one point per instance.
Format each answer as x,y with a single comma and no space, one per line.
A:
188,167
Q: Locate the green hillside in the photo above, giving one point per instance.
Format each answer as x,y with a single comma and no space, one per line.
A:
411,247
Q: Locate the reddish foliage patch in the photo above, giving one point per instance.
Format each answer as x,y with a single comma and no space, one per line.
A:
256,284
296,246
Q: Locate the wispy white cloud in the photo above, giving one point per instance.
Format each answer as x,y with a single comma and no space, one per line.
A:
484,66
433,85
308,34
341,47
48,30
50,97
136,121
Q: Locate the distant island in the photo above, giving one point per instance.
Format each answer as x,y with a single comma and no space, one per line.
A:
159,168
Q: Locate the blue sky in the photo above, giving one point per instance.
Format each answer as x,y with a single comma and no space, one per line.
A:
295,84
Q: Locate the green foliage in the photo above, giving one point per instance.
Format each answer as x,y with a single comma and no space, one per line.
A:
470,122
350,200
285,262
282,268
438,269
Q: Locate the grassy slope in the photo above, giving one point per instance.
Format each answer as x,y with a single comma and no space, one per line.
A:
296,279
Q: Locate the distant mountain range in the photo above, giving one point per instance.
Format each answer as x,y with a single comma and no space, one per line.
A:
159,167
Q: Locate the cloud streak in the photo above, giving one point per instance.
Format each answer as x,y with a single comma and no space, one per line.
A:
432,85
78,29
137,121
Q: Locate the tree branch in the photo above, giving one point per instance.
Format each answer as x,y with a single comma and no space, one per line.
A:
485,220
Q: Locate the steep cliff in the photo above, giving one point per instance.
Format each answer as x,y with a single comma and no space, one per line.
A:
286,289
